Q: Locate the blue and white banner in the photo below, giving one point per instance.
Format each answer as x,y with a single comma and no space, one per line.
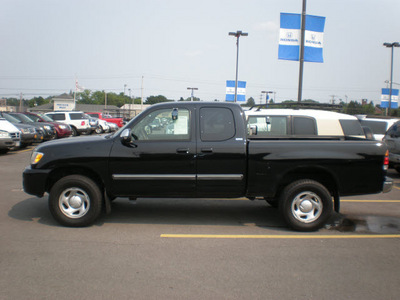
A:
290,34
230,90
394,103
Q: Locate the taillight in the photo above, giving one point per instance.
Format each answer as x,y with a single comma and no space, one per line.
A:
83,123
386,161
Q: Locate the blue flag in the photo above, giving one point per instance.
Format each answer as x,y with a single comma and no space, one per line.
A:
230,91
290,34
394,103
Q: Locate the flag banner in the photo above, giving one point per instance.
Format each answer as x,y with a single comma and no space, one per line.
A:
394,103
230,91
290,34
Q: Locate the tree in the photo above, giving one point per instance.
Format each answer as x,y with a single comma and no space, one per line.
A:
250,102
156,99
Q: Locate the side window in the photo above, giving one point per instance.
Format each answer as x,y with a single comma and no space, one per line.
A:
269,125
216,124
163,124
76,116
58,117
352,127
304,126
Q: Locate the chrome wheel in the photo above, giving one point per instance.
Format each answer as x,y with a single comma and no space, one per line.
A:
307,207
74,203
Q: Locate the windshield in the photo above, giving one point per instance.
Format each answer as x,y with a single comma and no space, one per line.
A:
11,119
46,118
23,118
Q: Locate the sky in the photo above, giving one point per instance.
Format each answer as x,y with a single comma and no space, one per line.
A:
166,46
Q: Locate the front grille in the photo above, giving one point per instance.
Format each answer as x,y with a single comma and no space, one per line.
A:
15,135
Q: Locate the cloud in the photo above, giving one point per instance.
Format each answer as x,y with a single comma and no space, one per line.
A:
193,53
270,27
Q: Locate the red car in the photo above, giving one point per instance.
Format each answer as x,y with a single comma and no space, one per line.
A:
119,121
63,130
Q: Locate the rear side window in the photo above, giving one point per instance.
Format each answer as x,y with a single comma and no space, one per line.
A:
76,116
377,127
304,126
269,125
352,127
57,117
216,124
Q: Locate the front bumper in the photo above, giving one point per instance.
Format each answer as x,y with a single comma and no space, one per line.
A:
387,185
34,181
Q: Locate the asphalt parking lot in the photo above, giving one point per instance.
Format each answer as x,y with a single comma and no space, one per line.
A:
195,249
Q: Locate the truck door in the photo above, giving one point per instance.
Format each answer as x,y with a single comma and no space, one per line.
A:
160,159
221,153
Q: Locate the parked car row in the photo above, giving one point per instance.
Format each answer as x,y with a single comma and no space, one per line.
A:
19,130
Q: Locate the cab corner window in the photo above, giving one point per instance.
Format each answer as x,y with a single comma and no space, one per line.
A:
216,124
269,125
163,124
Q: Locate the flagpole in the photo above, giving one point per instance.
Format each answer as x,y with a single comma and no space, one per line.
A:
301,60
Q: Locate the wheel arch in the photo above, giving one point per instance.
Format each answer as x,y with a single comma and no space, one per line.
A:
61,172
319,174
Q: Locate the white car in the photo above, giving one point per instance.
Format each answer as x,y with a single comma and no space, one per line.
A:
303,122
103,126
75,119
377,125
10,136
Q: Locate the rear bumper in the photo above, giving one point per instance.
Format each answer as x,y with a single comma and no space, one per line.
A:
34,181
387,185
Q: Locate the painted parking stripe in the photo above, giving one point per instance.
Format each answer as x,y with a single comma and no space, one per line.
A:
286,236
372,201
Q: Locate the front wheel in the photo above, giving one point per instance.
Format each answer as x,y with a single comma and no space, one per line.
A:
75,201
306,205
99,129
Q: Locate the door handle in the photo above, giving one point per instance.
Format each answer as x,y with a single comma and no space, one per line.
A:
182,150
206,150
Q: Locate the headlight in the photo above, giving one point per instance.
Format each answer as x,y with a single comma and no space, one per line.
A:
4,134
63,126
47,127
25,130
36,157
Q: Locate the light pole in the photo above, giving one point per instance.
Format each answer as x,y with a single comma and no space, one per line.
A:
237,34
266,95
391,45
192,88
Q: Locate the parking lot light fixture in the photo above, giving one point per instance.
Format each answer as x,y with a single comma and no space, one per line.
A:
237,34
192,88
391,45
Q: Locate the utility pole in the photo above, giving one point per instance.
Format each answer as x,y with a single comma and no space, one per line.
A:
301,60
141,101
20,102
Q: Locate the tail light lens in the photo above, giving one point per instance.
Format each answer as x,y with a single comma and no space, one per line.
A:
83,123
386,161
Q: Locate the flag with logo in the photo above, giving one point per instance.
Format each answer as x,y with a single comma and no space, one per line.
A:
394,103
230,90
290,35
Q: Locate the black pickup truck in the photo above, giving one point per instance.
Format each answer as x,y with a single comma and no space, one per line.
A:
202,150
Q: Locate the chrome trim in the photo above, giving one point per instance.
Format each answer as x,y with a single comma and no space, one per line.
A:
177,177
220,177
154,177
387,185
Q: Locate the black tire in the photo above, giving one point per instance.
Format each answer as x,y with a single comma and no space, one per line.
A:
273,202
306,205
74,131
99,129
75,201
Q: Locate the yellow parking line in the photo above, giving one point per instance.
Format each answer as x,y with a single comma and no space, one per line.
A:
378,201
396,187
286,236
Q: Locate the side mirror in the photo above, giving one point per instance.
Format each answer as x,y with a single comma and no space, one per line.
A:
126,136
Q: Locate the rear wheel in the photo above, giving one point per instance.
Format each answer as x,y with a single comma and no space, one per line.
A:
99,129
306,205
74,131
75,201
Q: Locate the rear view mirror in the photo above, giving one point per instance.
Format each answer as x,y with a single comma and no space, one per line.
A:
174,114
